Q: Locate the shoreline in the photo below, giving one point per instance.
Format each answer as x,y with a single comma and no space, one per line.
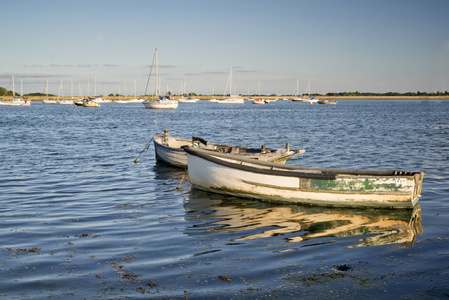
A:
207,97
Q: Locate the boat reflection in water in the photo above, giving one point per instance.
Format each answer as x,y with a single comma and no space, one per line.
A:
256,219
163,171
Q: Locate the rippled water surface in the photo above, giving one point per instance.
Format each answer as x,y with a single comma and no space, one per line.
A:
79,219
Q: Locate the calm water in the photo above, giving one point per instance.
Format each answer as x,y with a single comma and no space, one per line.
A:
79,219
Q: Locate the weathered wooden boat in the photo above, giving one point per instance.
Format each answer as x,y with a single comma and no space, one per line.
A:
215,172
168,149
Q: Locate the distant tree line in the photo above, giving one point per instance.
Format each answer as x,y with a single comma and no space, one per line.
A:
4,92
39,94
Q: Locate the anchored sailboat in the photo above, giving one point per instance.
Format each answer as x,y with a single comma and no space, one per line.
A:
162,102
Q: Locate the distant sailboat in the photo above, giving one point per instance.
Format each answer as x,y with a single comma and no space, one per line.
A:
297,98
63,101
184,99
163,102
48,100
135,100
232,99
213,95
259,100
16,101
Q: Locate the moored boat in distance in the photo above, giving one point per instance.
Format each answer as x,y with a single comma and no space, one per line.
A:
259,101
16,101
163,102
66,101
169,150
188,100
90,103
232,99
324,101
48,100
237,176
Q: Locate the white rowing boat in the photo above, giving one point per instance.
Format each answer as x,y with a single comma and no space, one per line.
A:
168,149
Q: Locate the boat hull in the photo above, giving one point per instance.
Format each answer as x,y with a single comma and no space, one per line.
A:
168,149
12,103
273,182
161,104
232,101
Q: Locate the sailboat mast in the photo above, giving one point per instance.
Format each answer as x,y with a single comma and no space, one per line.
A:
230,83
13,88
297,87
157,78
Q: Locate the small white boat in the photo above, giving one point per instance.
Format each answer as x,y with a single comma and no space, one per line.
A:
15,102
259,101
324,101
237,176
169,150
135,100
161,103
300,99
188,100
232,100
49,101
102,100
66,102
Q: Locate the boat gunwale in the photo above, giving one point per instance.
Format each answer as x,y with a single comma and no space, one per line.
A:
159,137
290,170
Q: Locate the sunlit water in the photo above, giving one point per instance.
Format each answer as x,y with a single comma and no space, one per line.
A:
79,219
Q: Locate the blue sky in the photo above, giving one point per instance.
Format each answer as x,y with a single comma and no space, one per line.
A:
339,45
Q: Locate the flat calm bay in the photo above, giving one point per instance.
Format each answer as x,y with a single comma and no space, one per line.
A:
79,219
